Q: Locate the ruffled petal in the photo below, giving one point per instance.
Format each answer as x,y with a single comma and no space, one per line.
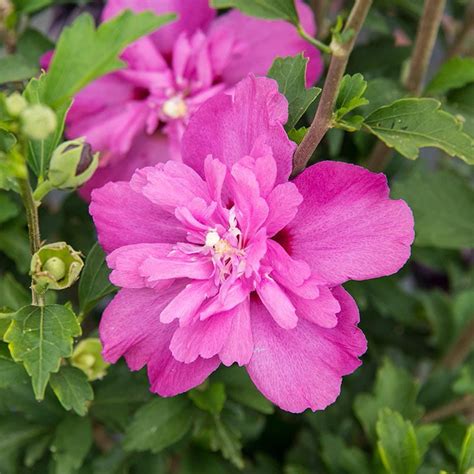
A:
192,15
303,367
347,226
228,127
124,217
251,44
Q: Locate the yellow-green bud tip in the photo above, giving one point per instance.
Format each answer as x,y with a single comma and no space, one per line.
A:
15,104
55,267
38,121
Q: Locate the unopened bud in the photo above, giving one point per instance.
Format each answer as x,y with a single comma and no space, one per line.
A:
55,267
72,164
15,104
38,121
87,356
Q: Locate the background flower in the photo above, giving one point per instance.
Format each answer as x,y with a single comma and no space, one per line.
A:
137,116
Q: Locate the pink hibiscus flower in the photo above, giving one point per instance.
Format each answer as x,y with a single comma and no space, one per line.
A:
222,260
137,116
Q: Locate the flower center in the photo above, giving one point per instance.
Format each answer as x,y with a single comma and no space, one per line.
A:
175,107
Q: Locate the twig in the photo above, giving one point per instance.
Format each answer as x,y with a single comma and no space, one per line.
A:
33,227
464,404
460,349
340,56
424,43
467,28
422,51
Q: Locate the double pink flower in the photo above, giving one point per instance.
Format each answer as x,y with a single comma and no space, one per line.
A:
136,117
221,259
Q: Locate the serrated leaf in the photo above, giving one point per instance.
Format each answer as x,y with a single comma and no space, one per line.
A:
94,283
270,9
226,440
350,95
453,74
397,443
394,388
410,124
40,151
443,205
71,443
297,135
210,398
84,53
10,371
39,336
290,74
466,458
72,389
158,424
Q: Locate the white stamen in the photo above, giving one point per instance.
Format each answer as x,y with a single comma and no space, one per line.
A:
175,107
212,238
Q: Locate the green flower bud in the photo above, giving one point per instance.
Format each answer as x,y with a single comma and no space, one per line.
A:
15,104
72,164
87,356
38,121
55,267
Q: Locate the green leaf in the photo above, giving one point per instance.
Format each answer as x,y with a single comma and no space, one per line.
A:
270,9
84,53
226,440
39,336
14,243
410,124
16,68
297,135
40,151
350,95
31,6
32,44
397,443
453,74
36,450
290,74
72,389
10,371
379,92
240,388
443,205
210,398
7,141
394,388
71,443
8,208
158,424
94,283
12,294
466,459
15,432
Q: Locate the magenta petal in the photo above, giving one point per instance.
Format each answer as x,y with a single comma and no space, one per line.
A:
124,217
165,267
258,42
201,338
228,128
169,377
239,345
277,303
283,203
303,367
192,15
130,326
126,261
146,150
322,310
347,227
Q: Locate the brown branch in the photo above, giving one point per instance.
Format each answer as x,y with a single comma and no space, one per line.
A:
461,349
467,28
424,43
340,56
462,405
320,9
